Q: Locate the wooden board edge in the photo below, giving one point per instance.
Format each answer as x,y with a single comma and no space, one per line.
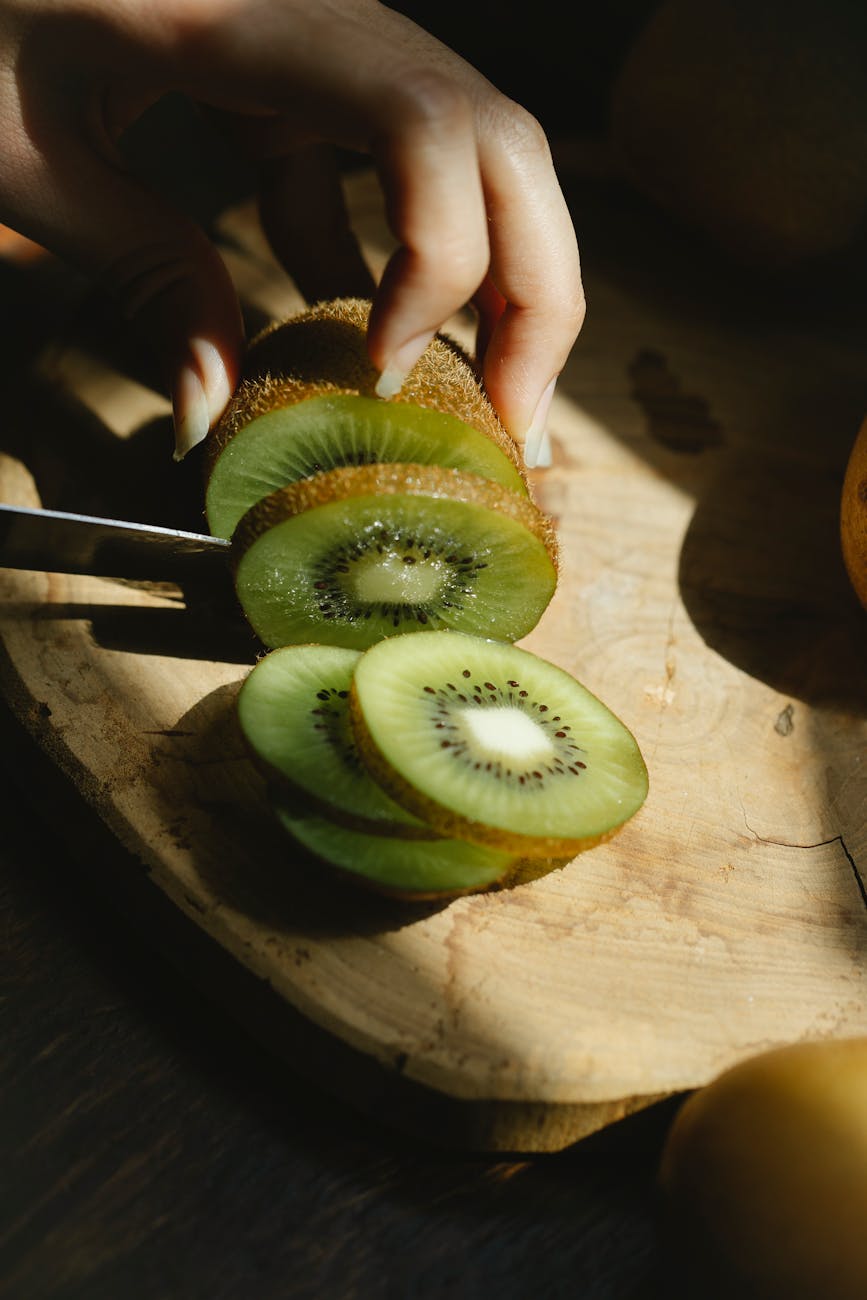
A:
34,759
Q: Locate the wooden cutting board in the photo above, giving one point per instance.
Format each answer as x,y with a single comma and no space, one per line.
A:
700,435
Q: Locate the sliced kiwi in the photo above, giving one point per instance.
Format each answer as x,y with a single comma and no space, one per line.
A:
493,744
321,433
294,714
407,869
324,350
307,403
357,554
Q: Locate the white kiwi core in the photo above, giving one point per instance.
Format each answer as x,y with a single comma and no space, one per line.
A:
506,733
391,579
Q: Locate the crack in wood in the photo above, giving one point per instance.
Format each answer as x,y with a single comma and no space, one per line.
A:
820,844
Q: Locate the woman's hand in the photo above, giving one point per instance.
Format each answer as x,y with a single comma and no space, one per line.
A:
470,190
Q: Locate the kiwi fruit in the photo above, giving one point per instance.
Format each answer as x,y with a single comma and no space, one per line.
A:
402,868
322,433
490,743
293,712
360,553
853,516
306,404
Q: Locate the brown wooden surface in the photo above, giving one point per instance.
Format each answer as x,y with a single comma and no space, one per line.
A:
700,434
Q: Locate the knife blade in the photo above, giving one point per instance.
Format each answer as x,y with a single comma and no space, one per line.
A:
54,541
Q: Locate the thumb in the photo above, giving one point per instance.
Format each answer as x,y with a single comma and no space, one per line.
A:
168,278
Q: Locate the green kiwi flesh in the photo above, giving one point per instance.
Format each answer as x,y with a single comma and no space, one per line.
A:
358,554
294,714
321,433
407,869
490,743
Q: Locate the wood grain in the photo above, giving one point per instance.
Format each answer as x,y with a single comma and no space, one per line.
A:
699,448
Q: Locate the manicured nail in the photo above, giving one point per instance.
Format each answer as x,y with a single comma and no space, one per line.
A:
394,375
537,444
191,412
212,372
200,396
543,455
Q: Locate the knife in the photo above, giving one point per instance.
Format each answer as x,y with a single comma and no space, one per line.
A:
56,542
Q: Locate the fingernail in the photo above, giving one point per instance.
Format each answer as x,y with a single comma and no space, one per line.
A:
191,412
394,375
212,371
201,393
543,455
537,444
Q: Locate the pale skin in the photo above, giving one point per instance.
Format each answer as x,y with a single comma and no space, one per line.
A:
471,193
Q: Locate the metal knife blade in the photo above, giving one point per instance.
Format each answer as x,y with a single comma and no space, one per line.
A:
54,541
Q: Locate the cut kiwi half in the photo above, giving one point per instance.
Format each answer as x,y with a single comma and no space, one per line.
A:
293,709
402,868
357,554
490,743
306,403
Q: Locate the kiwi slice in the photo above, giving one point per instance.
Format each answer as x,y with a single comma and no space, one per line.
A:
321,433
407,869
306,403
293,711
357,554
490,743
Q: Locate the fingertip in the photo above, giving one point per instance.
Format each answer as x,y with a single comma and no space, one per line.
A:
201,392
190,410
400,363
213,369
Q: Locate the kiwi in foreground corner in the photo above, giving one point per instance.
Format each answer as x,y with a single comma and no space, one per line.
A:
853,516
294,715
357,554
306,404
490,743
763,1177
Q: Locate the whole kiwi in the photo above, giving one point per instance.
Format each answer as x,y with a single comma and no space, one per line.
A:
853,516
748,122
764,1178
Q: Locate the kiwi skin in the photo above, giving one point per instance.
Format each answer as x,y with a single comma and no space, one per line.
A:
853,516
384,480
323,350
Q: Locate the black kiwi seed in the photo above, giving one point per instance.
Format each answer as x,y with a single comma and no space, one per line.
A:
564,760
309,554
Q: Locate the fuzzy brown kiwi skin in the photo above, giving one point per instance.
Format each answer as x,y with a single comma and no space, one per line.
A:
853,516
452,825
390,480
323,351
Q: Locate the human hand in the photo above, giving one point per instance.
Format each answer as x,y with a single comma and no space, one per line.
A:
470,190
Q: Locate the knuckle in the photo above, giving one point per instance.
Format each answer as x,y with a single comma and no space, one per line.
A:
459,267
431,99
576,310
520,132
